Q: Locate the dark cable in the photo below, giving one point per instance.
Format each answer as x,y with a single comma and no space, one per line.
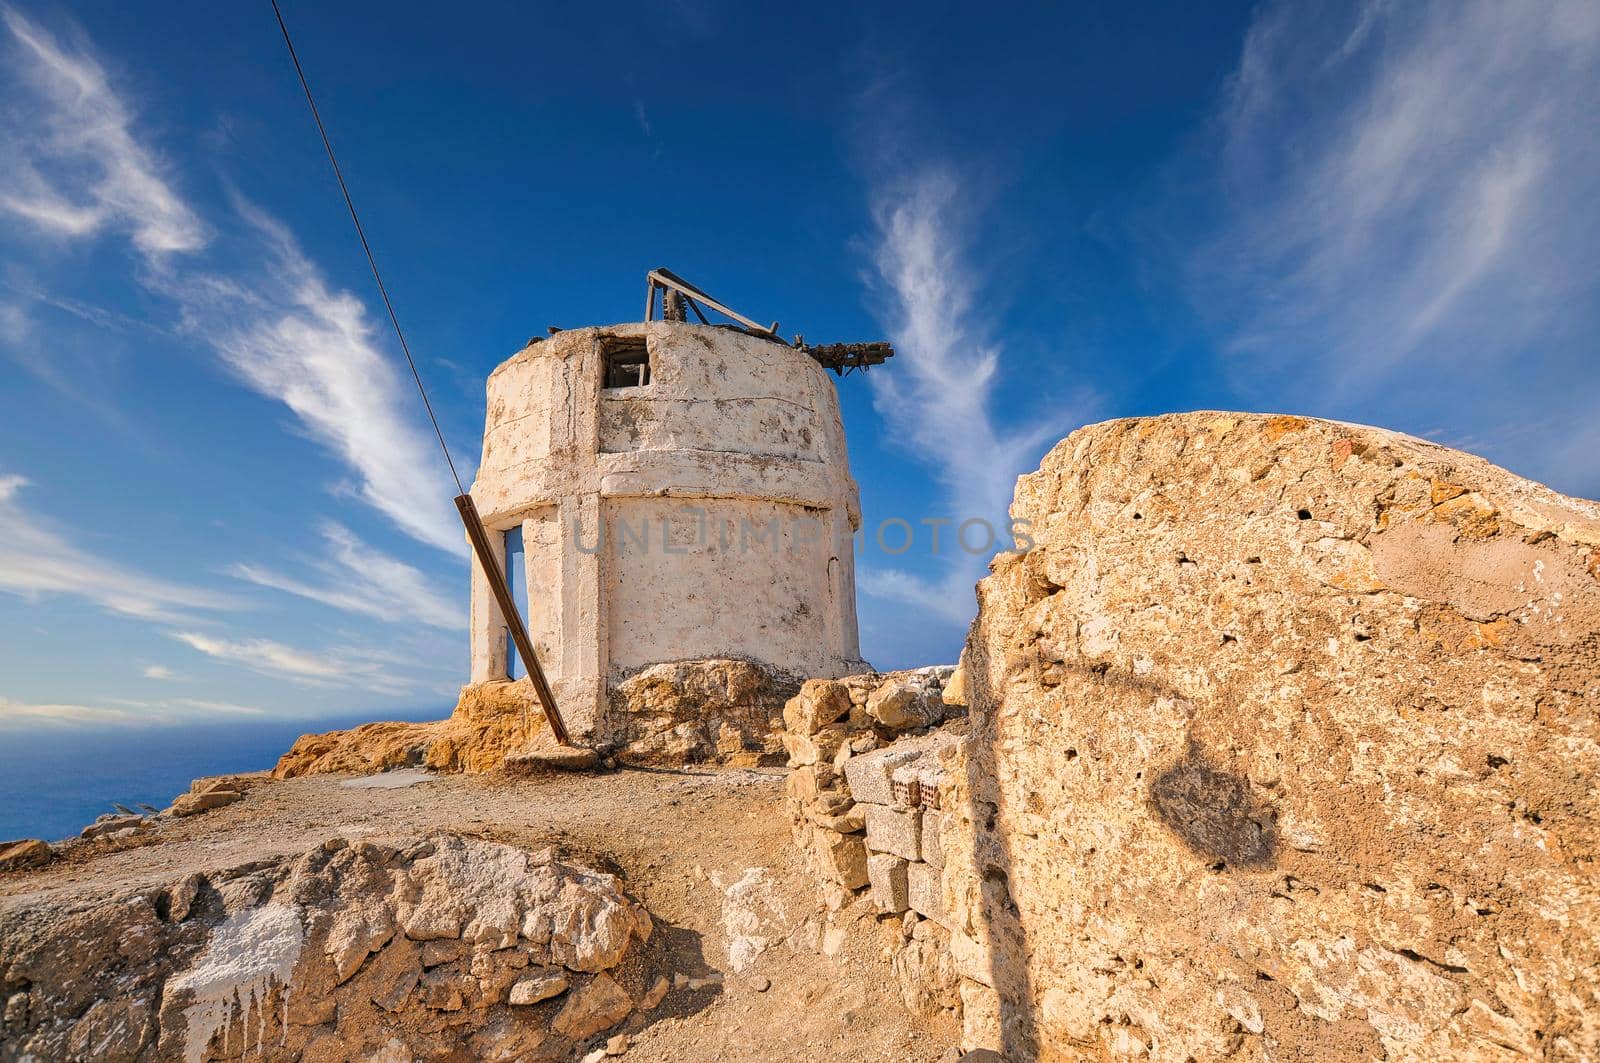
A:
371,261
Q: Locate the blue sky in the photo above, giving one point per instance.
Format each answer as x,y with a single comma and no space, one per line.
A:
218,497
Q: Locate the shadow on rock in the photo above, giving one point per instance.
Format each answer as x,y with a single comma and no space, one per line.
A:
1215,812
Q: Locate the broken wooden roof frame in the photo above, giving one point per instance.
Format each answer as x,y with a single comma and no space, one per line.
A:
678,294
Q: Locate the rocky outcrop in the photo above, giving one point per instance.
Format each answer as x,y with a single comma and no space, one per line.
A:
681,712
209,793
1283,746
490,721
446,946
25,853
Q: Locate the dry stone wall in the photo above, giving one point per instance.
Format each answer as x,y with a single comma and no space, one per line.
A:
1283,745
864,797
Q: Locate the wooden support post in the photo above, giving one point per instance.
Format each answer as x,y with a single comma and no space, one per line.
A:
508,609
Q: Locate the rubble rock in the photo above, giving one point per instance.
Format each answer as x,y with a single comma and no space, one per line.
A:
192,804
537,987
597,1006
843,858
1283,745
278,957
925,972
819,703
688,711
905,704
887,875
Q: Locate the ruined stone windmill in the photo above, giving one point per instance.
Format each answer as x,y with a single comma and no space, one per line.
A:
662,491
695,428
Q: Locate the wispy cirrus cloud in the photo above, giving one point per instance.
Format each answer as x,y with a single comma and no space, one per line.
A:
73,167
1400,220
267,656
21,713
287,335
941,399
346,666
38,559
80,169
119,712
356,578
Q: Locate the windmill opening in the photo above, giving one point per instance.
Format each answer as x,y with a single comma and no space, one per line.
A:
627,362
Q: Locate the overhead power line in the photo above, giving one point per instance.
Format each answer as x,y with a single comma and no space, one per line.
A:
366,247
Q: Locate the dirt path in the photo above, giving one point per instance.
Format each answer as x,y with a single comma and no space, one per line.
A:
707,852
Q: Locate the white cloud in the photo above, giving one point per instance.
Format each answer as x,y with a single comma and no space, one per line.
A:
36,559
16,713
359,579
161,672
81,139
291,338
938,397
76,168
266,656
120,712
219,708
339,667
1407,224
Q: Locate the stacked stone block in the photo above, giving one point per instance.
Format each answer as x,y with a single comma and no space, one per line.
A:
829,723
865,796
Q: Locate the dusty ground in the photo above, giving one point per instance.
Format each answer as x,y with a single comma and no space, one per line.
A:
678,838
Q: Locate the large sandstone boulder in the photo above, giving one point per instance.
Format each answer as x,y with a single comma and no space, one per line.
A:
447,948
1284,745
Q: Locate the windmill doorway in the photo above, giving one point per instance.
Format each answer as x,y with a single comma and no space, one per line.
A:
517,581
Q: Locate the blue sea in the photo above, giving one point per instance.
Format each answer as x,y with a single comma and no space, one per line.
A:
55,780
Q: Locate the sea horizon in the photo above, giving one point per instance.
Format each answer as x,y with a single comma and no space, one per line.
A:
55,779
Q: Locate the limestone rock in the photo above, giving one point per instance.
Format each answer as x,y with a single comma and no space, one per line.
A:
925,972
754,917
819,747
819,703
892,831
536,987
548,756
955,689
908,703
923,891
490,721
1283,744
887,874
597,1006
843,858
192,804
312,956
870,775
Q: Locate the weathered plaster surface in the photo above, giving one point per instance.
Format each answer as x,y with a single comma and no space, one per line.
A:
648,513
